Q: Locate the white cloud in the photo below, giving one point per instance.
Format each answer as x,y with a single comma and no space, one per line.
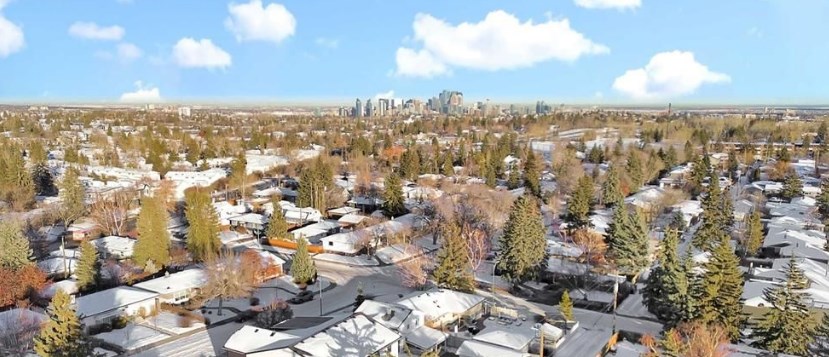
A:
386,95
142,94
11,35
128,52
327,42
190,53
609,4
253,22
755,32
91,30
668,74
500,41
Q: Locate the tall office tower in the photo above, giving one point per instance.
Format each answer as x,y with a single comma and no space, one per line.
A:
358,108
369,108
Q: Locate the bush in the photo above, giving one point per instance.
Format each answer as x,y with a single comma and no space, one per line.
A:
185,320
254,301
119,322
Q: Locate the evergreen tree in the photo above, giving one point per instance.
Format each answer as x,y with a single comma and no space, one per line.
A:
393,196
595,155
43,180
62,335
721,289
514,180
667,288
823,198
313,183
303,269
611,188
447,168
522,243
452,269
153,237
410,164
15,252
238,173
787,326
628,240
565,306
792,187
203,234
714,219
581,201
699,171
532,174
820,345
754,233
634,170
88,267
37,153
278,226
72,197
678,222
16,185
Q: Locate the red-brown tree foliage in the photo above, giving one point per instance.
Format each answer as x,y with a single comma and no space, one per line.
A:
21,284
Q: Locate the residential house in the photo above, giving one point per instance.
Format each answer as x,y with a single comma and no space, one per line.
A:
354,241
176,288
315,231
442,307
253,222
106,305
114,247
82,230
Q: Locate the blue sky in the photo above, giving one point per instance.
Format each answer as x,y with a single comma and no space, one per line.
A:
569,51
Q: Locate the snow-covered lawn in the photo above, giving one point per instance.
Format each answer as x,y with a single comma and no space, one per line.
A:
426,242
168,322
212,314
360,260
395,253
105,353
132,336
286,282
207,343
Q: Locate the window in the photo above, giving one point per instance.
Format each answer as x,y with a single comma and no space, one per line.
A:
330,243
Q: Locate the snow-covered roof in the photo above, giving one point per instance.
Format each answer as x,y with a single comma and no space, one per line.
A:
253,218
55,266
183,280
439,302
645,197
106,300
342,211
68,286
115,245
509,336
425,337
352,219
355,336
389,315
394,226
471,348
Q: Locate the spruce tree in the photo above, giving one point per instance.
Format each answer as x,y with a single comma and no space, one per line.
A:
153,237
72,197
452,268
628,240
578,208
15,252
667,286
823,198
611,188
203,234
303,269
754,234
62,335
721,289
278,226
514,180
787,326
410,164
634,170
88,267
820,345
522,243
565,306
43,180
532,174
393,196
714,220
447,168
792,187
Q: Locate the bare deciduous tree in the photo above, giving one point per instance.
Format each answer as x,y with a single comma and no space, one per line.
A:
413,272
17,331
593,247
228,277
110,212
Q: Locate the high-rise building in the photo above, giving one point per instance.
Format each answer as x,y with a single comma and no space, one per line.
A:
382,106
369,108
358,108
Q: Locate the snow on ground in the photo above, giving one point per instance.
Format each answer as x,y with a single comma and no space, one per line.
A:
168,322
212,314
286,282
104,353
395,253
360,260
206,343
132,336
426,242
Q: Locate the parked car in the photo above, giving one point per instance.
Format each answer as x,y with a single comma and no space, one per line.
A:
302,297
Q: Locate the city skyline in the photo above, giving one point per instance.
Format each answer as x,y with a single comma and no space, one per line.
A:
570,52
